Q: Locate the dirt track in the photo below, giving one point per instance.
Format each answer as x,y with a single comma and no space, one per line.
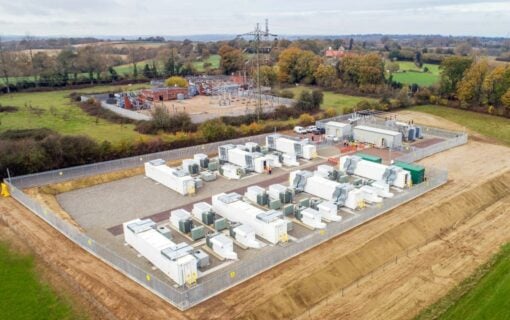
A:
473,201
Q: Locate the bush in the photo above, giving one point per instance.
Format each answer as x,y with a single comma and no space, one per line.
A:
330,112
287,94
34,134
8,109
306,119
162,120
216,130
176,81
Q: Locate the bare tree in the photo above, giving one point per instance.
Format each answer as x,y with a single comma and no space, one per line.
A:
4,65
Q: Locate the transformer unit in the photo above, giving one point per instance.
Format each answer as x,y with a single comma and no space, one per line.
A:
268,225
280,192
291,146
391,175
175,260
231,171
173,178
222,245
202,159
257,195
191,166
181,219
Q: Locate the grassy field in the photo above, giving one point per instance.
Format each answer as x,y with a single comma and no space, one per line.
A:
409,73
487,125
334,100
23,295
484,295
214,60
55,111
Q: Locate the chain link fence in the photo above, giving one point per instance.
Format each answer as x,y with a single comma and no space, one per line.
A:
184,298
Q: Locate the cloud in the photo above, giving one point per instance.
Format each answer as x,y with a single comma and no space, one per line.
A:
170,17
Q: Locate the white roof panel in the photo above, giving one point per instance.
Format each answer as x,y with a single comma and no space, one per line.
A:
378,130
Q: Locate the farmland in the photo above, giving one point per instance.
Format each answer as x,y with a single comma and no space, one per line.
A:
497,128
409,73
23,295
214,60
337,101
54,110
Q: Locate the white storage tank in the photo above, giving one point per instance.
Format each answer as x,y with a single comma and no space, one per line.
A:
268,225
172,178
338,129
174,260
381,138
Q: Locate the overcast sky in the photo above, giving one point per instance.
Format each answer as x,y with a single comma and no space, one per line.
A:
168,17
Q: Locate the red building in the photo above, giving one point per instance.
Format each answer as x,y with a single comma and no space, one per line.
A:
162,94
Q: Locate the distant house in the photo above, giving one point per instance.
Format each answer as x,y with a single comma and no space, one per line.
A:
340,53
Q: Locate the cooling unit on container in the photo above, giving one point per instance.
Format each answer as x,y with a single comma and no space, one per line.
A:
392,175
175,260
245,235
291,146
222,245
231,171
268,225
173,178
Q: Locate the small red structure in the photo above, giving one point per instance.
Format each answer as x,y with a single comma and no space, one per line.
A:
340,53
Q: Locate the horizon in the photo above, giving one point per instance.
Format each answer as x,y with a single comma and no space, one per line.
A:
113,18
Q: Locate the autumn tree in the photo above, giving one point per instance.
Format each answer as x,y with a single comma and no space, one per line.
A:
496,84
325,76
296,65
505,99
231,59
452,71
469,89
268,76
362,70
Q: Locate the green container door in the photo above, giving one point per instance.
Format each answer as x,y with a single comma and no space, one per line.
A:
417,171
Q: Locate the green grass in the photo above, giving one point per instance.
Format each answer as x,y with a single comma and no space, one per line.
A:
491,126
23,295
58,113
413,74
213,59
333,100
484,295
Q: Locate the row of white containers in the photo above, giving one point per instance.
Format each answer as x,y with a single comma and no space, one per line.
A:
291,146
173,178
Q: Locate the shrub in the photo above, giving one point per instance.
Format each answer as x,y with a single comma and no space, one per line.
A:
215,130
287,94
306,119
176,81
162,120
8,109
330,112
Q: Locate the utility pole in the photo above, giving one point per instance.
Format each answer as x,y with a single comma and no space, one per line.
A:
257,34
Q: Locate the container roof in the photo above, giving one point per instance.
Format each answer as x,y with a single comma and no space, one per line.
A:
378,130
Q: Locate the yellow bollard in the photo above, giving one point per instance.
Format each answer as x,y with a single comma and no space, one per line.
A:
5,191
